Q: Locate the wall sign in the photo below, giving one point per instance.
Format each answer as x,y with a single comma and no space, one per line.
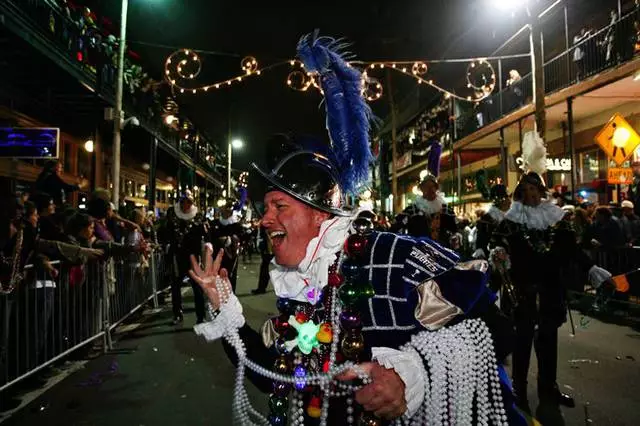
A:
619,175
553,164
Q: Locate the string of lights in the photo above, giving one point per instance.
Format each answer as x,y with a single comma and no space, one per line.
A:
184,65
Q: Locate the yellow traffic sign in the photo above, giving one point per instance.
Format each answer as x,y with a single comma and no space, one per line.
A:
618,139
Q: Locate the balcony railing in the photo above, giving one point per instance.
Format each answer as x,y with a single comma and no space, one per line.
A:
604,49
88,52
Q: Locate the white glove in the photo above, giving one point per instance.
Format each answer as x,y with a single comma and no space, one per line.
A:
598,275
479,254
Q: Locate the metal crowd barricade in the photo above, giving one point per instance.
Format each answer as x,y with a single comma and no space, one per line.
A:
623,260
46,319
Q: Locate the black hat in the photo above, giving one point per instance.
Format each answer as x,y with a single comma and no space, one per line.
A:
498,192
429,178
303,174
531,178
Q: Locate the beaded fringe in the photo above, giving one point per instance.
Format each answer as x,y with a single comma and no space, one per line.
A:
463,385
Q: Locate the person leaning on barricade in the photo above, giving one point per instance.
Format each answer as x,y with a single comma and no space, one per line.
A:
81,232
19,242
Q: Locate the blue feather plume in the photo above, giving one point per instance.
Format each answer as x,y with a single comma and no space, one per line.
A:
348,114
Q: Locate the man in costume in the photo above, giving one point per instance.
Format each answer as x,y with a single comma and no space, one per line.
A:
188,231
373,326
536,246
492,217
226,232
634,188
429,216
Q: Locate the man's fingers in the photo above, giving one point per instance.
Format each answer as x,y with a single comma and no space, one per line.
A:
353,374
216,264
195,267
224,274
208,258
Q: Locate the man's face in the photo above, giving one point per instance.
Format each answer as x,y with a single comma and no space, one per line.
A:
627,211
429,190
505,204
531,195
185,205
290,224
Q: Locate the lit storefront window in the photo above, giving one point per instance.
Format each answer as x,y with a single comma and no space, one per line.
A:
129,188
589,166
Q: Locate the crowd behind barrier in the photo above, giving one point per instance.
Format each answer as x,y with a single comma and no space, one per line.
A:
46,319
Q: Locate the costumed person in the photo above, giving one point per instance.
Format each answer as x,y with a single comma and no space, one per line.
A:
226,232
373,326
491,218
536,246
634,188
188,231
266,253
430,216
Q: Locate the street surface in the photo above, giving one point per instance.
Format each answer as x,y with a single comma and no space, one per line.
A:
162,375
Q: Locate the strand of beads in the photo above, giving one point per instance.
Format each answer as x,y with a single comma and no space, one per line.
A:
463,369
353,293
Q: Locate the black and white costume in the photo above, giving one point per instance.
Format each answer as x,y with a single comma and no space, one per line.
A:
188,231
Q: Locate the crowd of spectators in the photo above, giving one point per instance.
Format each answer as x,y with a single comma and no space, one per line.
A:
55,263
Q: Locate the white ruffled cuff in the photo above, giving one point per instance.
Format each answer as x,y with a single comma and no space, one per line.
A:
408,365
598,275
229,318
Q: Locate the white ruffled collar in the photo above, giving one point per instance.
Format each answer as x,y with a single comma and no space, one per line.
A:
429,207
305,282
495,214
185,216
541,216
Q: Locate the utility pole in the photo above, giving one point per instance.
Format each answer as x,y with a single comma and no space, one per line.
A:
537,73
394,149
117,120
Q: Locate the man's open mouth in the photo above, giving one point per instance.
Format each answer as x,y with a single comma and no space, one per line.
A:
277,237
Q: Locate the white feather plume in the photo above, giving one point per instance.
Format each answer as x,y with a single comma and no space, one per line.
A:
534,153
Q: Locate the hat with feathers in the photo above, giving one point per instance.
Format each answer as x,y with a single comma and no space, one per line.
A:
534,156
319,176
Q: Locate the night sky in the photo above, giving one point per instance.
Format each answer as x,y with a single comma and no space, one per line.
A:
379,30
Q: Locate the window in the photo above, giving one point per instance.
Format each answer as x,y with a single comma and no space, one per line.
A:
129,187
589,167
67,157
84,163
141,190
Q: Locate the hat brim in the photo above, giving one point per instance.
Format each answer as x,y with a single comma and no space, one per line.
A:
277,185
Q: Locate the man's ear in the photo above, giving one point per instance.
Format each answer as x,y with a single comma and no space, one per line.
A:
319,217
